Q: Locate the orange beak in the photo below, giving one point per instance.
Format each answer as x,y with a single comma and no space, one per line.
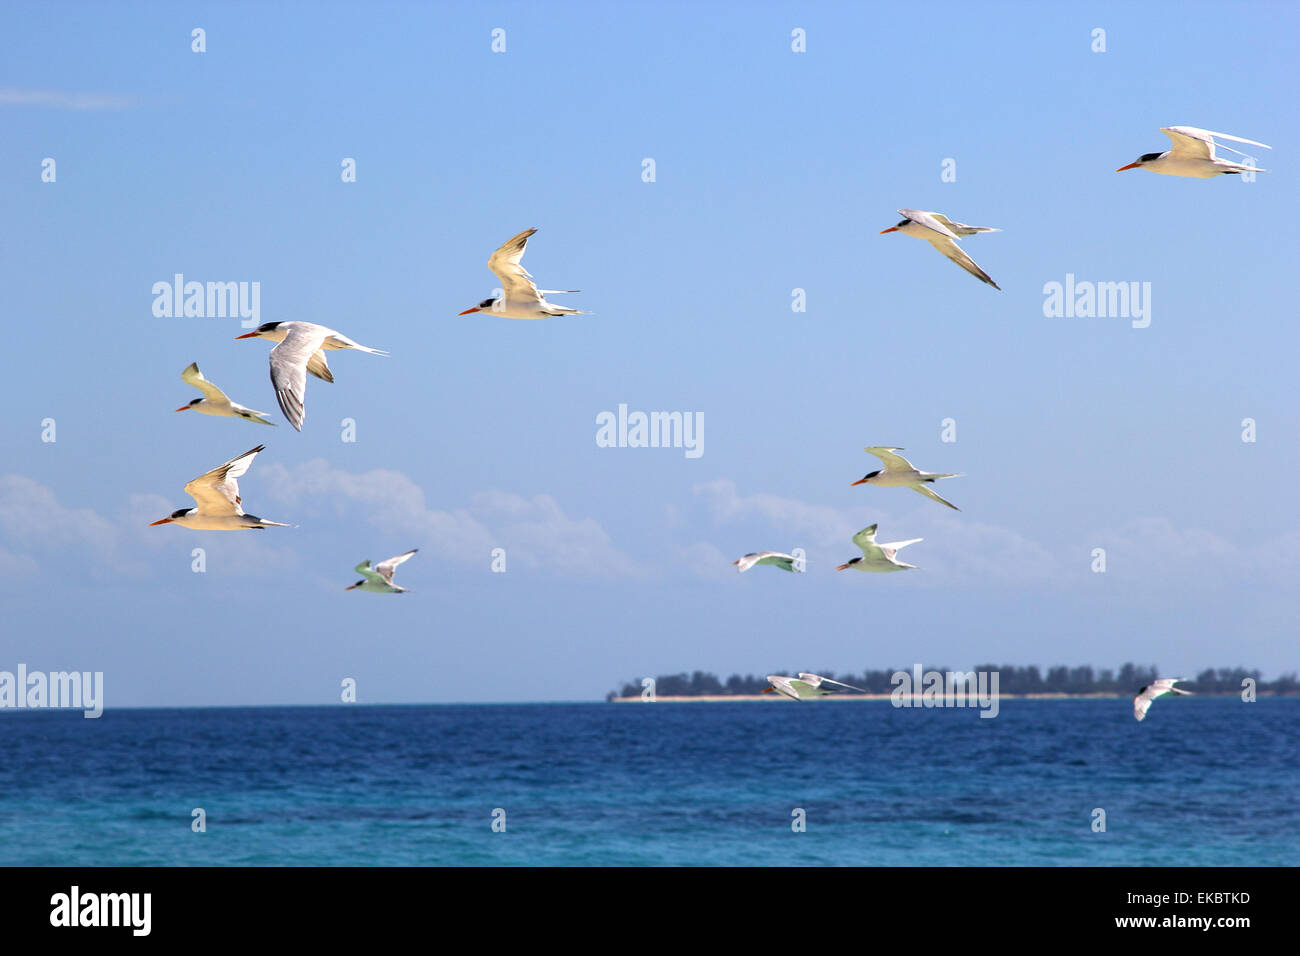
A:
349,587
183,408
246,335
161,521
468,311
1129,166
858,482
890,229
769,690
841,567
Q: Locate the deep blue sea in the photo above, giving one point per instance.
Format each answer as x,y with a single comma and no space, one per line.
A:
1200,782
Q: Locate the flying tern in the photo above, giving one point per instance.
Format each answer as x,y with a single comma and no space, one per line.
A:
804,687
380,579
301,350
520,298
1193,155
1161,688
942,233
877,557
216,493
900,473
214,400
786,562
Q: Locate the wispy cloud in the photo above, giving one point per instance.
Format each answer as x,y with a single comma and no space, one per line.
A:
39,534
32,518
535,532
64,100
1157,549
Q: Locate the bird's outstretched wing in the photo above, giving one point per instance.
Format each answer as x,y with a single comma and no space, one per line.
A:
289,371
887,457
931,493
386,568
960,228
1190,142
866,541
316,365
369,573
216,492
516,281
192,376
948,248
819,680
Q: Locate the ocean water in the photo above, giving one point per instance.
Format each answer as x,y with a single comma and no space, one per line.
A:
1201,782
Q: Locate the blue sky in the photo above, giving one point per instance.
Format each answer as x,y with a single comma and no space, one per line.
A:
774,170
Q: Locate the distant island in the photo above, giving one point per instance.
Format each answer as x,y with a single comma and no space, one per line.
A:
1060,681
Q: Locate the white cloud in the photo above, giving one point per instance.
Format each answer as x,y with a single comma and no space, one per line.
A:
38,533
535,532
705,560
32,519
1157,548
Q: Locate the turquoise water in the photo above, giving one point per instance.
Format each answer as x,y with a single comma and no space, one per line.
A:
1200,782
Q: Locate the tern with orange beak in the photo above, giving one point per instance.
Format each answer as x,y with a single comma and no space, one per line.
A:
301,350
805,686
520,298
219,506
942,233
878,557
215,401
1193,156
900,473
380,579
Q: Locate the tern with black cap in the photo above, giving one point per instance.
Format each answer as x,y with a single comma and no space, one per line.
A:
301,350
942,233
1193,155
520,298
218,505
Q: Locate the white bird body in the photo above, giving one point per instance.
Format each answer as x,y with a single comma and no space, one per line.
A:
215,401
520,298
877,557
1192,155
1148,694
942,233
901,473
804,687
786,562
379,580
301,349
219,506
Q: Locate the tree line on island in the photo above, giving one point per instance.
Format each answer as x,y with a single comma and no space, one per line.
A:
1012,680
